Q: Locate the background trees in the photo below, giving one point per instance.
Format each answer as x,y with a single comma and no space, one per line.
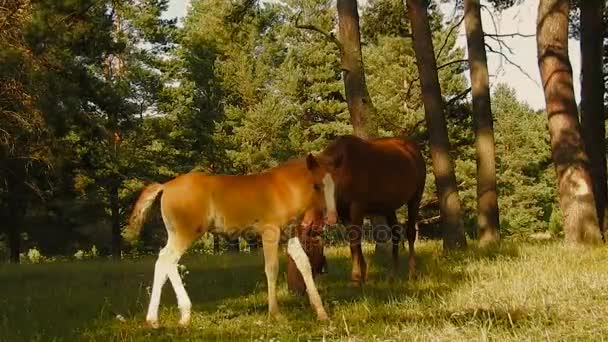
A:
99,97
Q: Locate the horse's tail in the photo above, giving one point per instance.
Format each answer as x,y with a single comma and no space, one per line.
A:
140,211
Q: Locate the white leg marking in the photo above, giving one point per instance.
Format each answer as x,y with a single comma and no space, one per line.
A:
329,190
183,301
166,268
295,250
160,277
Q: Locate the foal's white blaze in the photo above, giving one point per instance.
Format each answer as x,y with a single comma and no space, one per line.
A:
295,250
329,190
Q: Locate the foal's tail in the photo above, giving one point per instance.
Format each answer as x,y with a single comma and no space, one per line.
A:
140,211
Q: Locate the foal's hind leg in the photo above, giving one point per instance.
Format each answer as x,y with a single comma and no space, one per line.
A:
166,267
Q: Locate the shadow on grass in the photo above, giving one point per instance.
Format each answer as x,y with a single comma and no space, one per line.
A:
436,271
65,300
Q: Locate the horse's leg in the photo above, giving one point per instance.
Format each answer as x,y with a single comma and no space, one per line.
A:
295,250
391,220
270,243
160,277
412,216
166,267
359,268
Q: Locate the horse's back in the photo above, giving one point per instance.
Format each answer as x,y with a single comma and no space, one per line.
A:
227,203
383,172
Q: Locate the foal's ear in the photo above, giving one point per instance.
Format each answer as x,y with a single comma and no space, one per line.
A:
311,162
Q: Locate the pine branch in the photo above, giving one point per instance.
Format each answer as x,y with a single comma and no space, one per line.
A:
445,65
491,49
509,35
328,35
445,41
458,97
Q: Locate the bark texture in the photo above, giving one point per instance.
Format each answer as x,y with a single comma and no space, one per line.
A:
487,198
116,232
360,106
592,101
445,179
16,209
567,149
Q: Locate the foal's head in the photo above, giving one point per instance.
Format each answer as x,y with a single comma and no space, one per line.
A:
309,232
324,188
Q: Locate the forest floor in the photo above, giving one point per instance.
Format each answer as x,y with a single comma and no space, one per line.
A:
540,291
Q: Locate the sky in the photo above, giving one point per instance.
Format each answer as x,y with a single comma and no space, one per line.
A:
524,77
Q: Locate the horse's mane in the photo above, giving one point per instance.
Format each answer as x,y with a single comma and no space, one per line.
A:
291,163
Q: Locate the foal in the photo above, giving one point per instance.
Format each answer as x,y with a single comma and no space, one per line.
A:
195,203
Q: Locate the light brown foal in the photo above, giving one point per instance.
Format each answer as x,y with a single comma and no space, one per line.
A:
195,203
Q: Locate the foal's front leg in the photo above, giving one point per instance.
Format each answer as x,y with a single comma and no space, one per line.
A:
270,242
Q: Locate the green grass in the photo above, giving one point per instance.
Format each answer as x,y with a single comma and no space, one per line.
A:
516,292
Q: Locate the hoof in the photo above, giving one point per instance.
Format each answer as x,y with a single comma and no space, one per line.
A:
275,316
152,323
185,318
322,316
355,283
184,322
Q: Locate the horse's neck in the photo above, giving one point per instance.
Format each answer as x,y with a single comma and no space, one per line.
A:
295,179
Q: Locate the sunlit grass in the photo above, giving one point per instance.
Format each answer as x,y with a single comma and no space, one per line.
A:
515,292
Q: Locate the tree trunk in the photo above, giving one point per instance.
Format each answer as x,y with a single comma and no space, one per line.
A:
487,199
115,212
216,244
16,212
15,223
360,106
568,153
445,179
233,245
592,101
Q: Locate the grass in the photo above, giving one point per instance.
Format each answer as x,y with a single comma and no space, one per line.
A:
515,292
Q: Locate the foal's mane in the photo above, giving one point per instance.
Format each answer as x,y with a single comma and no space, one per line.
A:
290,164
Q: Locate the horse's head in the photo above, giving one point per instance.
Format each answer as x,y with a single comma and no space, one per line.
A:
324,187
309,232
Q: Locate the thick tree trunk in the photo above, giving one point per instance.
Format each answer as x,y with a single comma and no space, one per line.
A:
115,219
568,153
487,199
592,100
360,106
445,179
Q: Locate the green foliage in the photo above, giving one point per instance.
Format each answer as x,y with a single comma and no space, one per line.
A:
98,98
526,178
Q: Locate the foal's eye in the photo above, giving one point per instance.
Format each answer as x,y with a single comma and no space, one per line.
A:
317,187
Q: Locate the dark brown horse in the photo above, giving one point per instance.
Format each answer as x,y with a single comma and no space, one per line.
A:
375,178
